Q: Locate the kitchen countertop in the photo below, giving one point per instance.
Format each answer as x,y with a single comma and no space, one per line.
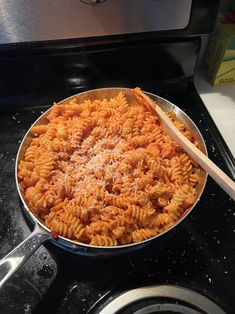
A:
220,102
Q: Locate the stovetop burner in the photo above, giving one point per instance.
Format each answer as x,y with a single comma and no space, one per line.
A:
157,299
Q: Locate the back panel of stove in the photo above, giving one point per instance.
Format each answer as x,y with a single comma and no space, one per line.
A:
37,21
38,72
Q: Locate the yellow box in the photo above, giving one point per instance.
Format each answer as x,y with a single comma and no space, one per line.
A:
220,56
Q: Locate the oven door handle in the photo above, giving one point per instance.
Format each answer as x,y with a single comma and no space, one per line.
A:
18,256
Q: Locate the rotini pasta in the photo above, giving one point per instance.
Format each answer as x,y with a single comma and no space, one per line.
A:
105,173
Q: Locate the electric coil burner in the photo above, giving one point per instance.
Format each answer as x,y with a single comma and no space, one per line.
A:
158,299
189,270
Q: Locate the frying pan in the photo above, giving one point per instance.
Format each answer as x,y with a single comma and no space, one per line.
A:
16,258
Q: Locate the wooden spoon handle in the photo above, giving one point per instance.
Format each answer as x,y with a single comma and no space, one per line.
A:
227,184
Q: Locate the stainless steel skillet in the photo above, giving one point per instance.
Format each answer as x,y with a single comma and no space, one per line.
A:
16,258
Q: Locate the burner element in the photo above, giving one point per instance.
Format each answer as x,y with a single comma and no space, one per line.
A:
160,299
166,308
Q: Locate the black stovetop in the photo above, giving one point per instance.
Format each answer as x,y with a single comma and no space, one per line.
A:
199,253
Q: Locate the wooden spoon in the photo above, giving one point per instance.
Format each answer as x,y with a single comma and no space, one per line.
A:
227,184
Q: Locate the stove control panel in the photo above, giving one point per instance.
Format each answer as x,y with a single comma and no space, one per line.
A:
36,20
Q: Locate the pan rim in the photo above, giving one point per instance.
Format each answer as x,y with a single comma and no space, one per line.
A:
68,243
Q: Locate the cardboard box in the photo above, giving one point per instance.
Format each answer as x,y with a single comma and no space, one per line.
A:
220,56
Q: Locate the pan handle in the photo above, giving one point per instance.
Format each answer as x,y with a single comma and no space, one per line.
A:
17,257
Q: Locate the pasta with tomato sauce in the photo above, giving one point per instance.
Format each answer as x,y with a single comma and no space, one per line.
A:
105,173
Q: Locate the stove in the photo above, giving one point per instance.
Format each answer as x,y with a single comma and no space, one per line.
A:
188,270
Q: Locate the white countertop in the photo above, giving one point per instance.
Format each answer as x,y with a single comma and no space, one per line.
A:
220,102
